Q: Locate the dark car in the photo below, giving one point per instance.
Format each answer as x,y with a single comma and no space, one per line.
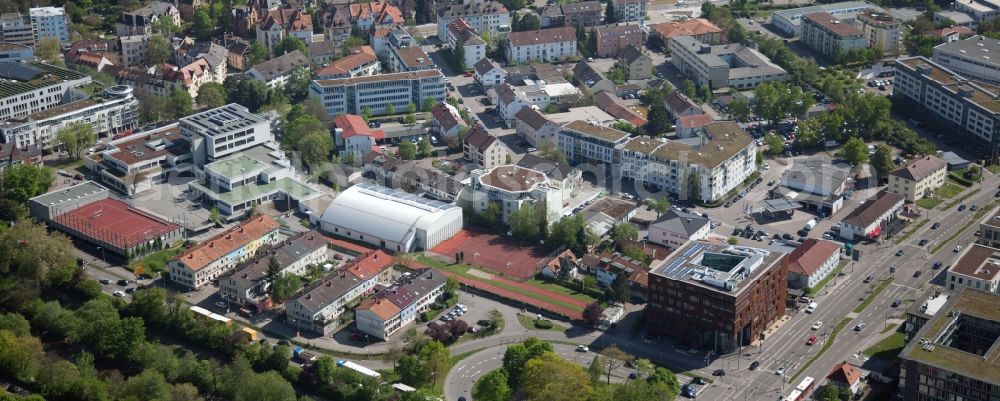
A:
699,381
899,252
961,207
868,279
973,208
936,265
787,236
284,342
130,290
15,389
123,282
754,365
719,372
633,376
935,226
916,273
105,281
922,242
896,303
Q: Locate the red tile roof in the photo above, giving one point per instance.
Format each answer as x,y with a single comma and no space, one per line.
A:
691,27
696,120
359,56
833,24
809,256
353,124
380,307
369,265
221,245
845,373
961,30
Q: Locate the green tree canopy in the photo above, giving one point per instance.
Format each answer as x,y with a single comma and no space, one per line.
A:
290,44
181,103
211,95
407,150
855,151
76,137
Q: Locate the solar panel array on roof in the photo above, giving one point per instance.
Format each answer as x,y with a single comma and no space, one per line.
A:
389,192
18,71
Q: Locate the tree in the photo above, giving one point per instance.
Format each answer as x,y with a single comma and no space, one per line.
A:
595,369
614,358
588,282
693,185
451,286
739,108
390,109
256,55
493,387
592,313
689,88
407,150
855,151
410,118
211,95
290,44
665,376
49,51
620,291
15,323
524,222
609,14
828,392
21,182
76,137
148,385
624,231
181,103
660,206
250,93
882,162
19,355
428,104
267,386
644,367
434,357
517,355
297,87
158,49
551,378
315,148
213,215
492,215
733,241
659,119
528,22
775,145
203,26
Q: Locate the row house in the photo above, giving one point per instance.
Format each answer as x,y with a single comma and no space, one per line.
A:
544,45
393,308
208,260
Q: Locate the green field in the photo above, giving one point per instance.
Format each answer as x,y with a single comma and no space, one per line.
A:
529,323
888,348
156,262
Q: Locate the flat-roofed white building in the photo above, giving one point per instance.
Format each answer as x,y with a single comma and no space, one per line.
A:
976,58
30,87
512,187
352,95
219,132
390,219
977,267
790,21
112,112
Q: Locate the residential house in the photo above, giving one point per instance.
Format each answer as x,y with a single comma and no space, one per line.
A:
237,51
868,219
613,105
214,54
276,71
688,126
978,266
675,228
396,173
488,72
812,262
134,49
680,105
484,16
545,45
383,38
354,137
360,63
247,285
535,127
918,178
585,75
609,267
447,121
11,155
143,20
247,16
393,308
323,52
460,34
281,23
636,63
611,39
508,103
210,259
378,14
952,34
562,267
845,375
484,149
882,31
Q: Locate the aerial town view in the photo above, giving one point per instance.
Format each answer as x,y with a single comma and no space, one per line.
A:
499,200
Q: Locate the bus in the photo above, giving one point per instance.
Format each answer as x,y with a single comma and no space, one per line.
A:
358,368
802,390
796,395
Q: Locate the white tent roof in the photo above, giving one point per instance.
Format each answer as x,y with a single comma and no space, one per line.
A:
384,213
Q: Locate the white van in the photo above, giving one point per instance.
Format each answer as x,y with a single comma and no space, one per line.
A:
812,307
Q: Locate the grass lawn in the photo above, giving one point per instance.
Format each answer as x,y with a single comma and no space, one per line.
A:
555,287
871,297
929,203
948,190
889,328
529,323
156,262
888,348
995,169
462,270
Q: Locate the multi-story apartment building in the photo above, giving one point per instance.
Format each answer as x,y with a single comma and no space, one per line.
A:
732,65
396,306
545,45
700,29
790,21
485,17
584,13
830,36
629,10
811,262
977,267
408,59
247,285
717,296
32,87
989,230
216,256
512,187
276,72
918,178
381,39
535,127
360,63
674,228
979,10
612,39
219,132
134,49
317,307
50,22
378,14
975,58
112,112
282,22
352,95
956,355
18,29
484,149
882,31
584,142
703,170
460,34
950,100
637,64
142,21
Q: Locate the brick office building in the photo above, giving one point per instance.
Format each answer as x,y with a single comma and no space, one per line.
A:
717,296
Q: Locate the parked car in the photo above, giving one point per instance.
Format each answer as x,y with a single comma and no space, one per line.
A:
868,279
123,282
899,252
582,348
105,281
118,293
699,381
916,273
754,365
961,207
957,248
922,242
780,371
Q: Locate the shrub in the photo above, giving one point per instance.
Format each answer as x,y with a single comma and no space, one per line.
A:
543,324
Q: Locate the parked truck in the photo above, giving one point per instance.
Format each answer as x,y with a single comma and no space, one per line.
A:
303,355
810,224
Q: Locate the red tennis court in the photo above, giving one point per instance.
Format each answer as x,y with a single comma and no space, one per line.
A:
494,253
115,222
